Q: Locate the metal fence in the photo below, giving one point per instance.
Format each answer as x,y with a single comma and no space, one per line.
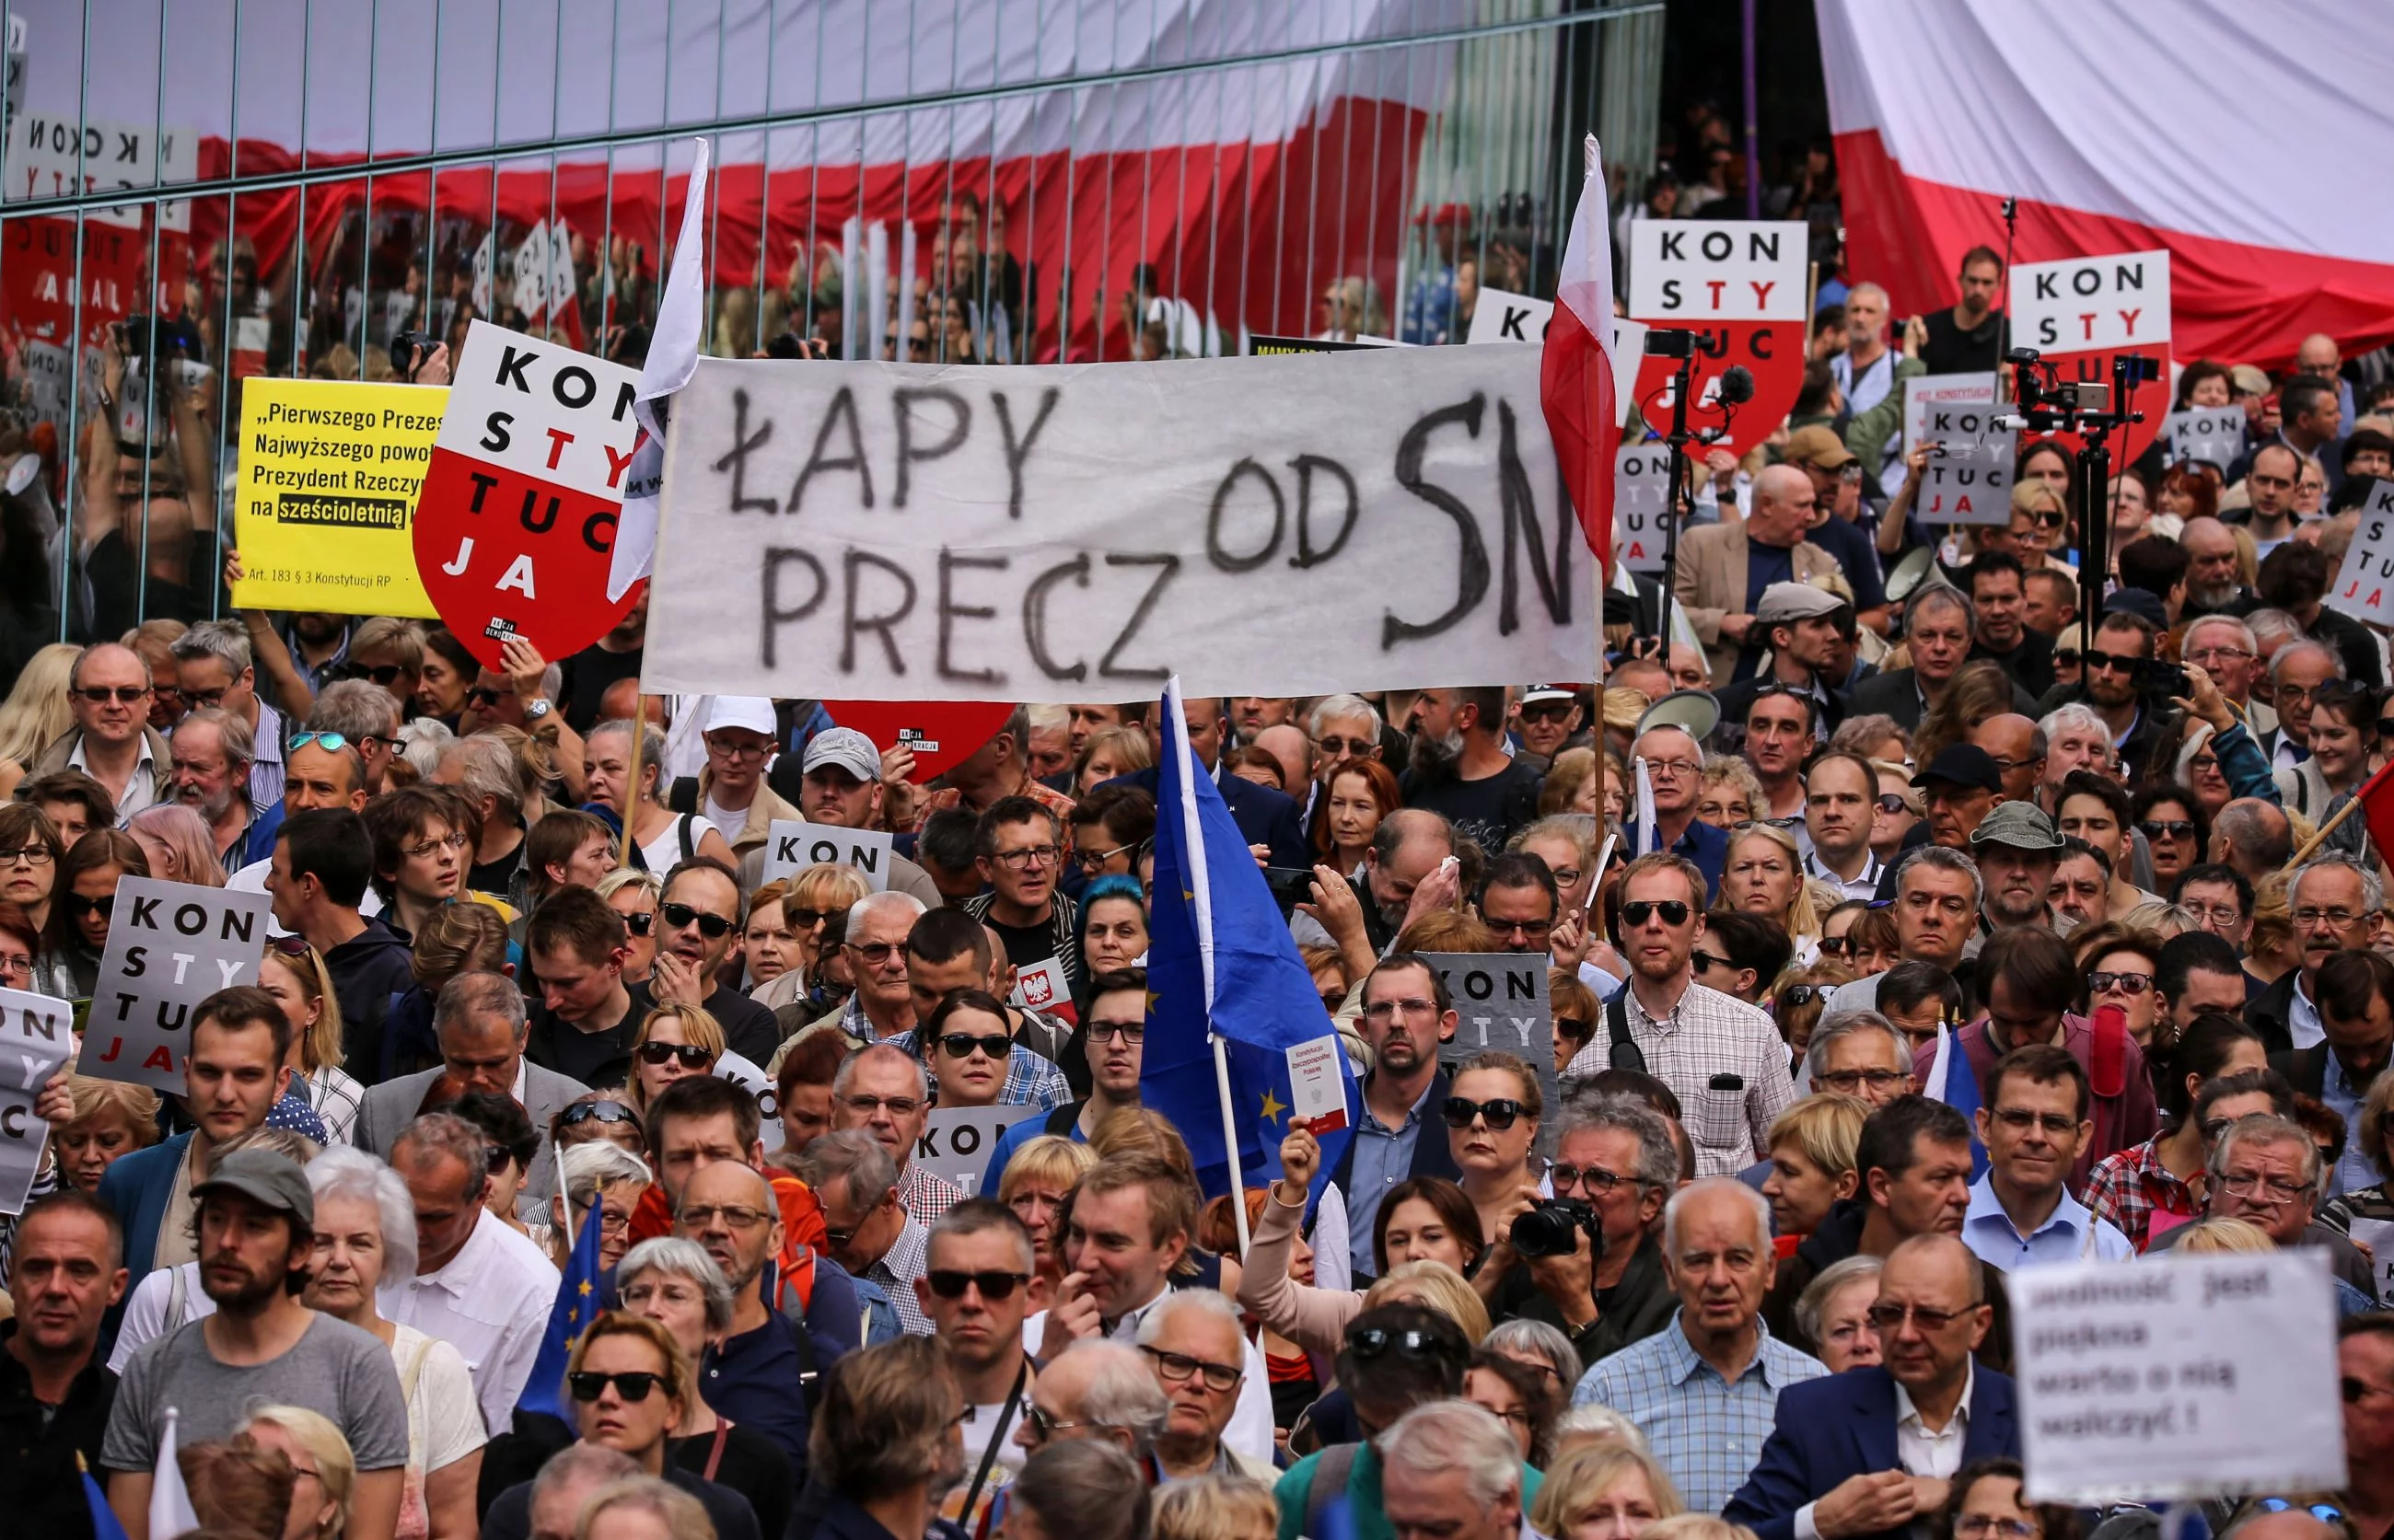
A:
200,191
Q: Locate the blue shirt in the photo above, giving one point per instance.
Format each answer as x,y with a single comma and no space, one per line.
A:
755,1379
1706,1430
1014,1138
1703,844
2356,1171
1384,1156
2072,1233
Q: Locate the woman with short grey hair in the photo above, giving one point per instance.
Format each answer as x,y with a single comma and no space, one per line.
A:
1832,1315
675,1284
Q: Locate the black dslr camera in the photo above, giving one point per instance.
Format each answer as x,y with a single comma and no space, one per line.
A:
1553,1228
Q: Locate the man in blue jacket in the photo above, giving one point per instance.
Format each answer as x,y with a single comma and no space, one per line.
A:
1264,817
1865,1453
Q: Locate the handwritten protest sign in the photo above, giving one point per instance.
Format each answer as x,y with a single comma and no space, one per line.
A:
516,522
1501,1005
957,1141
36,1038
1641,505
1739,286
2364,584
2178,1378
329,472
170,945
900,532
1924,391
1968,480
2215,435
2083,311
792,845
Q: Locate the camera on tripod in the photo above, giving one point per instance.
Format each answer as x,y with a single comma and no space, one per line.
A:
2038,386
1553,1228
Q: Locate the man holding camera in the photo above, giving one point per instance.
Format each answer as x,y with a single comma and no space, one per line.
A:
2125,685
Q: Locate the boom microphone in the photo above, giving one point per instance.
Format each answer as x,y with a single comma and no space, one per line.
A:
1736,385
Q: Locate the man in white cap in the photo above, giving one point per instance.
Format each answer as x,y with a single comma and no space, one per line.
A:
1550,720
1800,624
842,786
741,736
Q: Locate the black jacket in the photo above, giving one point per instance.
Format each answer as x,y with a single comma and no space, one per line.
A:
2269,1013
1264,817
368,970
39,1485
2305,1068
2156,732
1642,1305
1840,1236
2030,663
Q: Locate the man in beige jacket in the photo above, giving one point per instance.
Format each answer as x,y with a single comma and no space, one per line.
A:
1722,568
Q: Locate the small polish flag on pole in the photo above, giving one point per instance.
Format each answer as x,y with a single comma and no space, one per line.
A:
1575,373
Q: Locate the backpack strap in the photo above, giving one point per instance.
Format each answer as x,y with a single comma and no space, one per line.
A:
689,845
1328,1484
1060,1119
179,1301
1624,1052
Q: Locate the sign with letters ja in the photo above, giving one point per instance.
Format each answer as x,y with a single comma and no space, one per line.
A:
170,945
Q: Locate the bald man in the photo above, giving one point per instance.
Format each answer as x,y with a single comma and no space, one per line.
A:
109,691
1724,567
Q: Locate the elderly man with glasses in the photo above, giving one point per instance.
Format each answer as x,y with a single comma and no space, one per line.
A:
2267,1170
1674,762
885,1093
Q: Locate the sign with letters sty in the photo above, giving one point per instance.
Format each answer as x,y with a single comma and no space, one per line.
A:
36,1039
2083,311
2364,584
515,525
330,471
1502,1005
170,945
1288,525
792,845
1739,286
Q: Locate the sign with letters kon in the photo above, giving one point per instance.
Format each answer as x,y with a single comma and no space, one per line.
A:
516,524
2083,311
1502,1004
792,845
170,945
1288,525
957,1141
1739,286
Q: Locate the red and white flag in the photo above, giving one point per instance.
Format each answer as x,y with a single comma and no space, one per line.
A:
1576,374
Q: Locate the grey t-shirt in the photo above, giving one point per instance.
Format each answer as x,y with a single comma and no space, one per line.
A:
334,1369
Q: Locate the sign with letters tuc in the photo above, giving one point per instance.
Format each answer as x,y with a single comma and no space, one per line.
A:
170,945
2083,311
515,525
36,1039
1282,526
1739,286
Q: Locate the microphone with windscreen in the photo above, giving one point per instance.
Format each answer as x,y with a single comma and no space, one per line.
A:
1736,385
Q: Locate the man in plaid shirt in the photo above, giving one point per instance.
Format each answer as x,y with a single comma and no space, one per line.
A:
884,1091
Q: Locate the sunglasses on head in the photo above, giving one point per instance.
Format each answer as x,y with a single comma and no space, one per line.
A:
632,1384
690,1054
1637,911
331,742
949,1283
1461,1111
597,1112
681,917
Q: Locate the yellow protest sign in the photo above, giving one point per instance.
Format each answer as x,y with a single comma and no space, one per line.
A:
329,476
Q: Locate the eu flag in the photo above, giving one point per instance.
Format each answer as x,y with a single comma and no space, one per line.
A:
1220,963
577,1304
104,1517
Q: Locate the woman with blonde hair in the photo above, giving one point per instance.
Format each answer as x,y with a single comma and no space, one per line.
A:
1111,752
1572,784
178,843
2271,948
319,1456
1613,1492
814,905
1038,1178
1763,874
294,974
1219,1507
37,711
113,1118
677,1041
1728,794
634,894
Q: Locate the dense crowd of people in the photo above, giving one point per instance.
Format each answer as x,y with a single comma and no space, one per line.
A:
1864,786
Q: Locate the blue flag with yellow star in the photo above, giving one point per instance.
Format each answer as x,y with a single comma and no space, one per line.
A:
577,1304
1220,961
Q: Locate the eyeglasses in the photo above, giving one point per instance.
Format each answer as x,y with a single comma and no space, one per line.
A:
1672,767
2019,1120
640,922
2326,1513
691,1055
78,905
949,1283
33,856
1044,1424
2202,763
1029,857
1460,1112
737,1216
632,1385
1595,1180
1179,1367
876,953
2208,656
433,846
1371,1341
804,919
1533,929
2130,984
1573,1027
2337,918
1849,1081
1987,1524
756,751
2175,828
1549,710
2269,1189
497,1158
964,1045
2066,657
1131,1033
1382,1012
101,695
1334,747
1840,945
681,917
1673,911
1887,1315
1093,861
597,1112
900,1106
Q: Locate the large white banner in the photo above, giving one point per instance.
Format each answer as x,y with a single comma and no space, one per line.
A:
1268,525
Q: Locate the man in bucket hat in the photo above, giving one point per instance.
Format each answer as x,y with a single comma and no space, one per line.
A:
2016,848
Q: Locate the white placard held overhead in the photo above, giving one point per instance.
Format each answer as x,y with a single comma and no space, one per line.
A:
2091,304
2179,1379
36,1039
1968,480
2213,435
2364,584
1924,391
170,945
792,845
1641,505
957,1141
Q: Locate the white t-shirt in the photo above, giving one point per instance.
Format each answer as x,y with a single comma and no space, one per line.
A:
728,820
444,1420
152,1300
664,853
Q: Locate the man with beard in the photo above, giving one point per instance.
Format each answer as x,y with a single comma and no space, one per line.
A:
1407,1012
1462,770
2140,725
255,1221
1803,626
213,668
211,755
2016,848
2212,568
1999,626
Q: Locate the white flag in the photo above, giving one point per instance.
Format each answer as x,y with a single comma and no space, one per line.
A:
170,1501
673,359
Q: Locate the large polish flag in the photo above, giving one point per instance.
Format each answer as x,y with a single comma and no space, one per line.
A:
1575,373
2235,135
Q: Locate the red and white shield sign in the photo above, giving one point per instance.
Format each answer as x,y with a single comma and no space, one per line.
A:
516,524
944,734
1739,286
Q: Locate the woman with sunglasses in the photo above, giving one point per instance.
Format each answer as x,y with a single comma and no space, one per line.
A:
31,853
389,654
635,896
2175,828
509,1146
1898,808
1800,997
675,1041
365,1233
87,903
293,972
1492,1112
595,1116
2117,963
966,1044
674,1283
